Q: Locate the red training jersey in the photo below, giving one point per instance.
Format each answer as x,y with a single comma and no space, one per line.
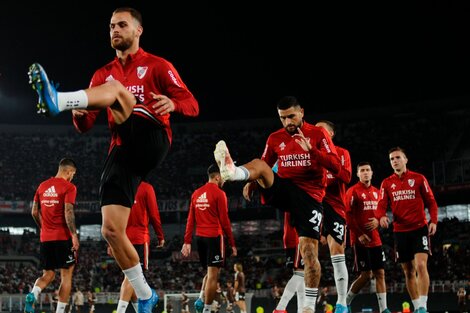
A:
306,169
208,210
51,196
142,74
361,204
337,184
407,195
144,211
290,238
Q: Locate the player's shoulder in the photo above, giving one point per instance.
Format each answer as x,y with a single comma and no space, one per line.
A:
413,174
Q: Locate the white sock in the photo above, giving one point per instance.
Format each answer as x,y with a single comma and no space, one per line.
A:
122,306
415,304
311,295
350,297
289,291
136,277
341,277
135,305
201,294
60,307
67,101
382,300
36,291
423,302
241,174
207,308
299,277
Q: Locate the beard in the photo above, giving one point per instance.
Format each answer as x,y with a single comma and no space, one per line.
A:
121,44
291,129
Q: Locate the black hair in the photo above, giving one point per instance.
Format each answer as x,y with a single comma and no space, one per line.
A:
363,164
134,13
67,162
287,102
213,169
397,149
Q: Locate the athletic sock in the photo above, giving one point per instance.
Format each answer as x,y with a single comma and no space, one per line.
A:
311,295
135,305
72,100
60,307
350,297
341,277
36,291
136,277
241,174
122,306
382,300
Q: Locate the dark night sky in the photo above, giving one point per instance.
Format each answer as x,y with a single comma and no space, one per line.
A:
238,59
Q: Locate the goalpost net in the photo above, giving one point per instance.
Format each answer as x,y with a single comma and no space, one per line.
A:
173,303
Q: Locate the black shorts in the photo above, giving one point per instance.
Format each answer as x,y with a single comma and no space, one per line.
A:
333,224
143,252
306,213
57,254
144,145
294,258
407,244
211,251
366,259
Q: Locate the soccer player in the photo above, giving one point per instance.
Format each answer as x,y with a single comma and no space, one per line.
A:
53,212
208,213
369,257
304,153
296,284
334,219
239,287
144,212
408,194
139,91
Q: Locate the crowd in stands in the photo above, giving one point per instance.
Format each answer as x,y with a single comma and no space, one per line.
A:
263,270
30,156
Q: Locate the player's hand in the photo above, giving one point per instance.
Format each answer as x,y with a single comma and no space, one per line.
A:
302,141
248,190
164,105
364,239
323,240
109,251
432,228
372,224
384,221
186,249
78,113
75,243
161,243
234,251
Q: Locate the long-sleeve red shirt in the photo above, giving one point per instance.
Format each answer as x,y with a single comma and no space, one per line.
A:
408,196
306,169
142,74
208,211
337,184
144,211
361,204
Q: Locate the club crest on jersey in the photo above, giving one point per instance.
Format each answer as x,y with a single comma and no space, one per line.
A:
411,182
141,71
376,195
